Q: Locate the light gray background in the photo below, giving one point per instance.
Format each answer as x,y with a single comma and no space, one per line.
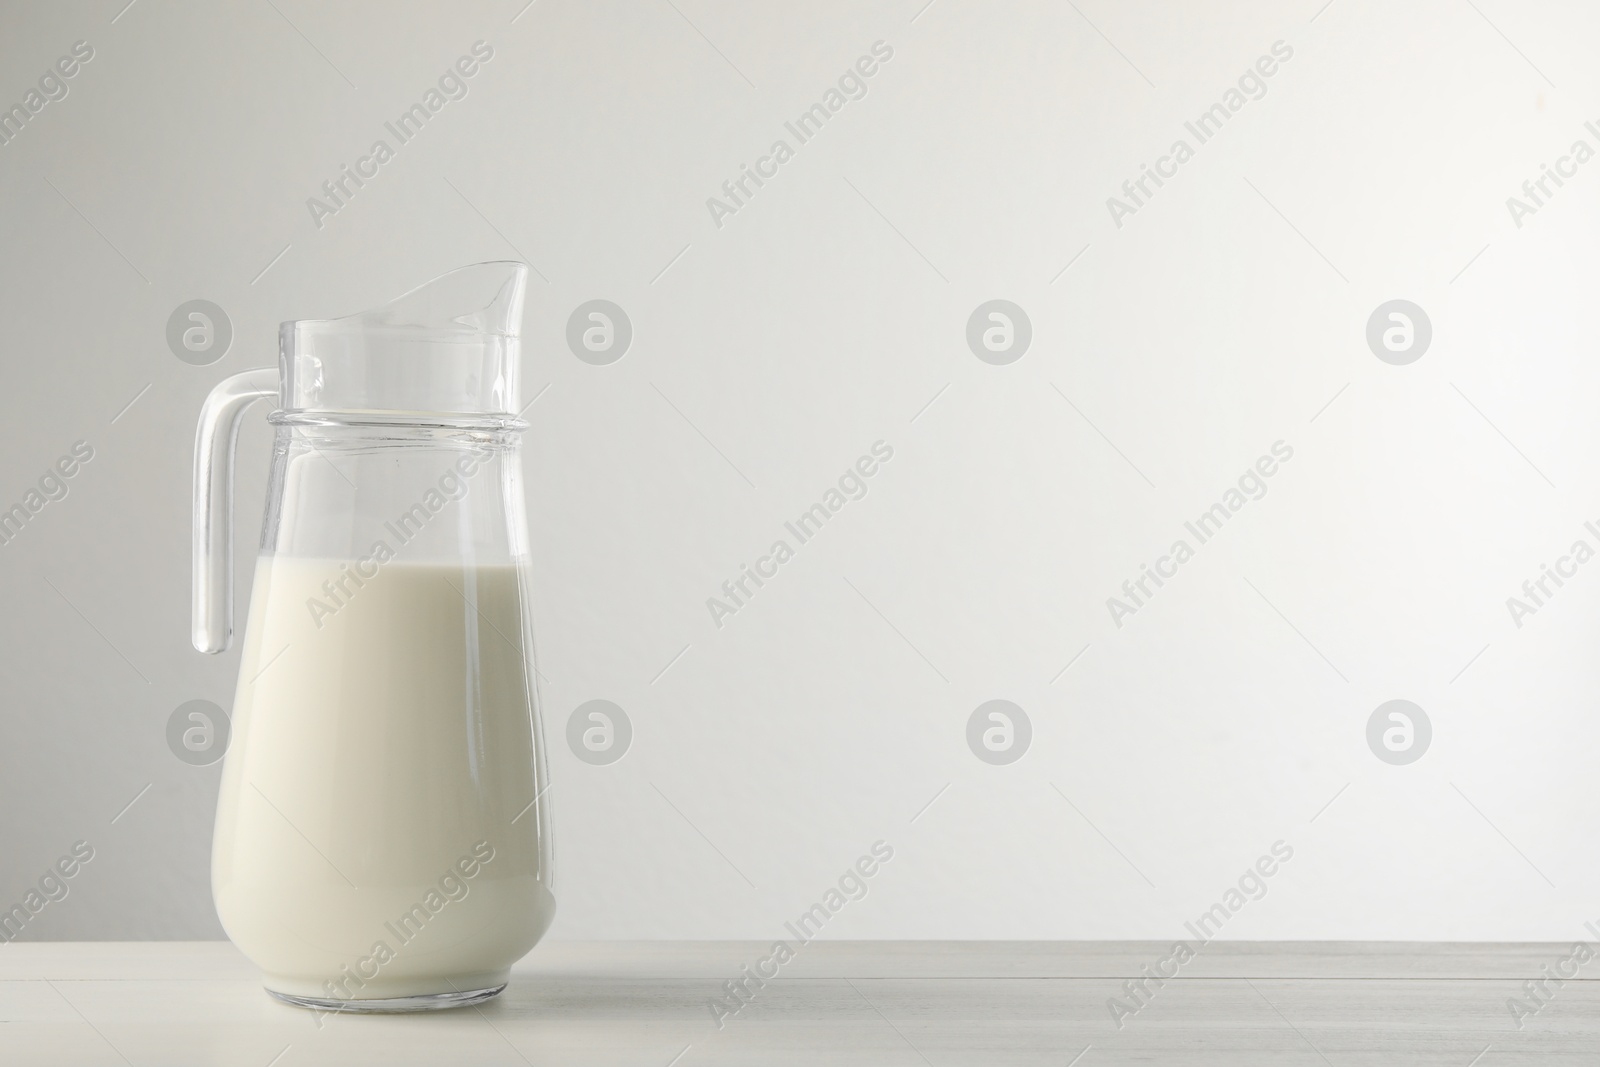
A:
1227,314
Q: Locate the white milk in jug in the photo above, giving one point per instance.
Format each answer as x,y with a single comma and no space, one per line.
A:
377,835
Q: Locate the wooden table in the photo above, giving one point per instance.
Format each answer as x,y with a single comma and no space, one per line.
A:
647,1004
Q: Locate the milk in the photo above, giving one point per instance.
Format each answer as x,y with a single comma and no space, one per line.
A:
382,749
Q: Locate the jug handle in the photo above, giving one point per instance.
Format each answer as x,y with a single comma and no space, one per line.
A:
212,542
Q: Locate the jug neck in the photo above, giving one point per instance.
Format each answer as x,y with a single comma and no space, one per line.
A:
447,350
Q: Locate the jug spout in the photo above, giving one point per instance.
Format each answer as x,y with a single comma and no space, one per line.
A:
483,300
449,347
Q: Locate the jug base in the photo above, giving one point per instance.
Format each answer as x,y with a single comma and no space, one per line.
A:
417,1002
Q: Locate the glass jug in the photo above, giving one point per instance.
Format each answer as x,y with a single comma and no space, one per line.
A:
383,838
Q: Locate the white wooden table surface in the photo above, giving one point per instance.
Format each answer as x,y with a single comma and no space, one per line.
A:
645,1004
